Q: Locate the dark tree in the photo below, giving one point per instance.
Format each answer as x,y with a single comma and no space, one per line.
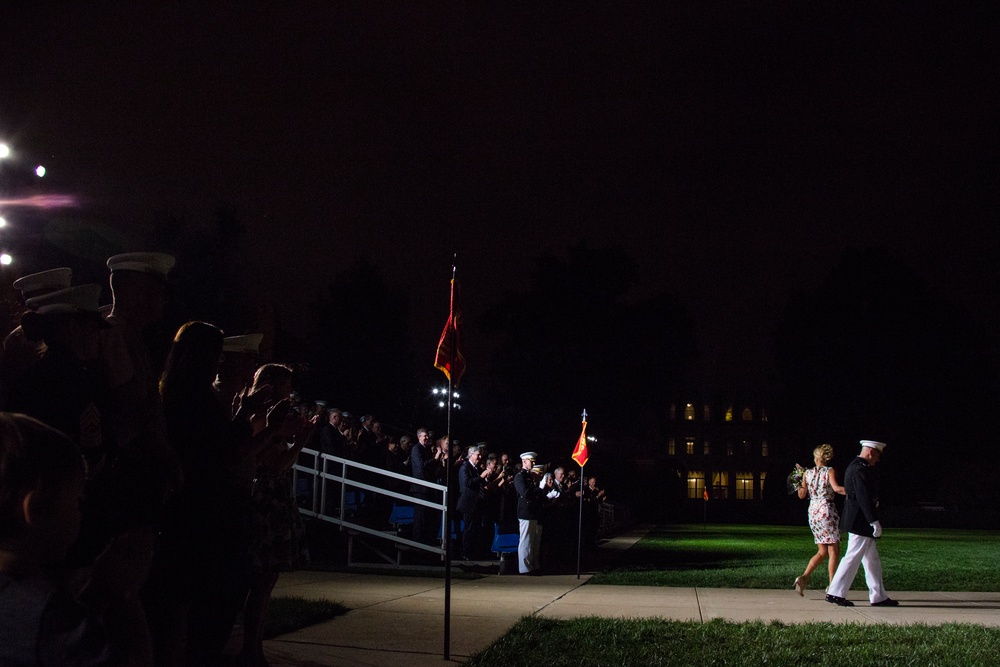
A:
211,280
576,340
359,349
872,352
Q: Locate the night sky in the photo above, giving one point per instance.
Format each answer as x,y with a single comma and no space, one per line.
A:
736,150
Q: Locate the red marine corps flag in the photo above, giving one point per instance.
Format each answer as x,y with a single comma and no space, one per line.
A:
449,359
580,454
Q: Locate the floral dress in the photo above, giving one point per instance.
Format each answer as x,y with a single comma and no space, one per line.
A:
823,518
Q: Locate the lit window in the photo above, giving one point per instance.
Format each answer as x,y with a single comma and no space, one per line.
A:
747,415
763,448
744,486
689,446
706,413
696,485
720,485
708,448
729,414
671,447
763,475
689,412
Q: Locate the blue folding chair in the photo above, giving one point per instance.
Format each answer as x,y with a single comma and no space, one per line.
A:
401,515
454,535
353,500
504,543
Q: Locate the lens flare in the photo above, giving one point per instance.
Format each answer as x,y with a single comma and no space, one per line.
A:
43,201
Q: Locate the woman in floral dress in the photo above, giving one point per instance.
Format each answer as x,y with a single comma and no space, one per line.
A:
820,483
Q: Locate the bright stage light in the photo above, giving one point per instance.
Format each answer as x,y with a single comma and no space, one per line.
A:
40,171
4,150
3,222
6,259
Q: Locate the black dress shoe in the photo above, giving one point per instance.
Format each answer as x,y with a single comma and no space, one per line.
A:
843,602
888,602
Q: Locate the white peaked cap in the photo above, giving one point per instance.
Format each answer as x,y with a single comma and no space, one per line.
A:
78,299
36,284
245,343
873,444
156,263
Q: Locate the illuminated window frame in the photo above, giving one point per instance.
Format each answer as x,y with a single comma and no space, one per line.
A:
696,485
720,485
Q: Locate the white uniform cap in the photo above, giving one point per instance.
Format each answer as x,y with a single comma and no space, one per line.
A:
78,299
529,455
873,444
36,284
156,263
245,344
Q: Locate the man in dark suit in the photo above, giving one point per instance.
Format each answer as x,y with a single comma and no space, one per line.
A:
331,438
861,521
472,486
425,464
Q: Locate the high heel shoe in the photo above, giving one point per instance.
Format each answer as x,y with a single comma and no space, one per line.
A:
800,585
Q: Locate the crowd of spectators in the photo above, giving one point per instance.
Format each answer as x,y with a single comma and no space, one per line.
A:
178,514
481,487
182,510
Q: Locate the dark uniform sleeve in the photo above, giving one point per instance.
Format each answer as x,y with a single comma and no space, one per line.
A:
865,491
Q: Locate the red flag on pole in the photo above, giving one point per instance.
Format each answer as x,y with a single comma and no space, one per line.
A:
449,359
580,454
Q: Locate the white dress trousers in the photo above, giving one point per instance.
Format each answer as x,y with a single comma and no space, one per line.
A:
528,544
862,551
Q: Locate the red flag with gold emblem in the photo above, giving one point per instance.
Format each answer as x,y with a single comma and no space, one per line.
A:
449,359
580,454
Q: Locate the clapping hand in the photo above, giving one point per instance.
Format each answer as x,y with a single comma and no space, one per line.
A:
250,403
283,421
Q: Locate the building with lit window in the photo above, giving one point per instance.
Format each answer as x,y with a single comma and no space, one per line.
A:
722,451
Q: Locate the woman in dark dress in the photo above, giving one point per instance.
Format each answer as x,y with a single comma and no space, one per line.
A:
201,569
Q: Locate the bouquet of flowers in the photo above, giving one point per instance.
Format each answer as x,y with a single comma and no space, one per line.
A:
796,478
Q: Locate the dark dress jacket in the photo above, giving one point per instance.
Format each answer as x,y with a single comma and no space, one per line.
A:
423,466
471,487
530,498
860,507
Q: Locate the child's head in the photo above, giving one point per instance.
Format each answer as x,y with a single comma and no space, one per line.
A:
41,485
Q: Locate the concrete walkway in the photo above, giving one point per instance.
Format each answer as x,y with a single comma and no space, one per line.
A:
396,620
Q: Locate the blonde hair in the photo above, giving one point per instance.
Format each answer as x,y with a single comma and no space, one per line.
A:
824,453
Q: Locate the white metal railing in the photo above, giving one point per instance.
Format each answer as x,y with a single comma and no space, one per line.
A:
330,473
613,518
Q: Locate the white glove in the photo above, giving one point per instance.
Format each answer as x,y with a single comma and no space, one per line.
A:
877,528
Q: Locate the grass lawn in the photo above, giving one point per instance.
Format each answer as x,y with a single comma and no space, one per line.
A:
288,613
723,556
596,642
